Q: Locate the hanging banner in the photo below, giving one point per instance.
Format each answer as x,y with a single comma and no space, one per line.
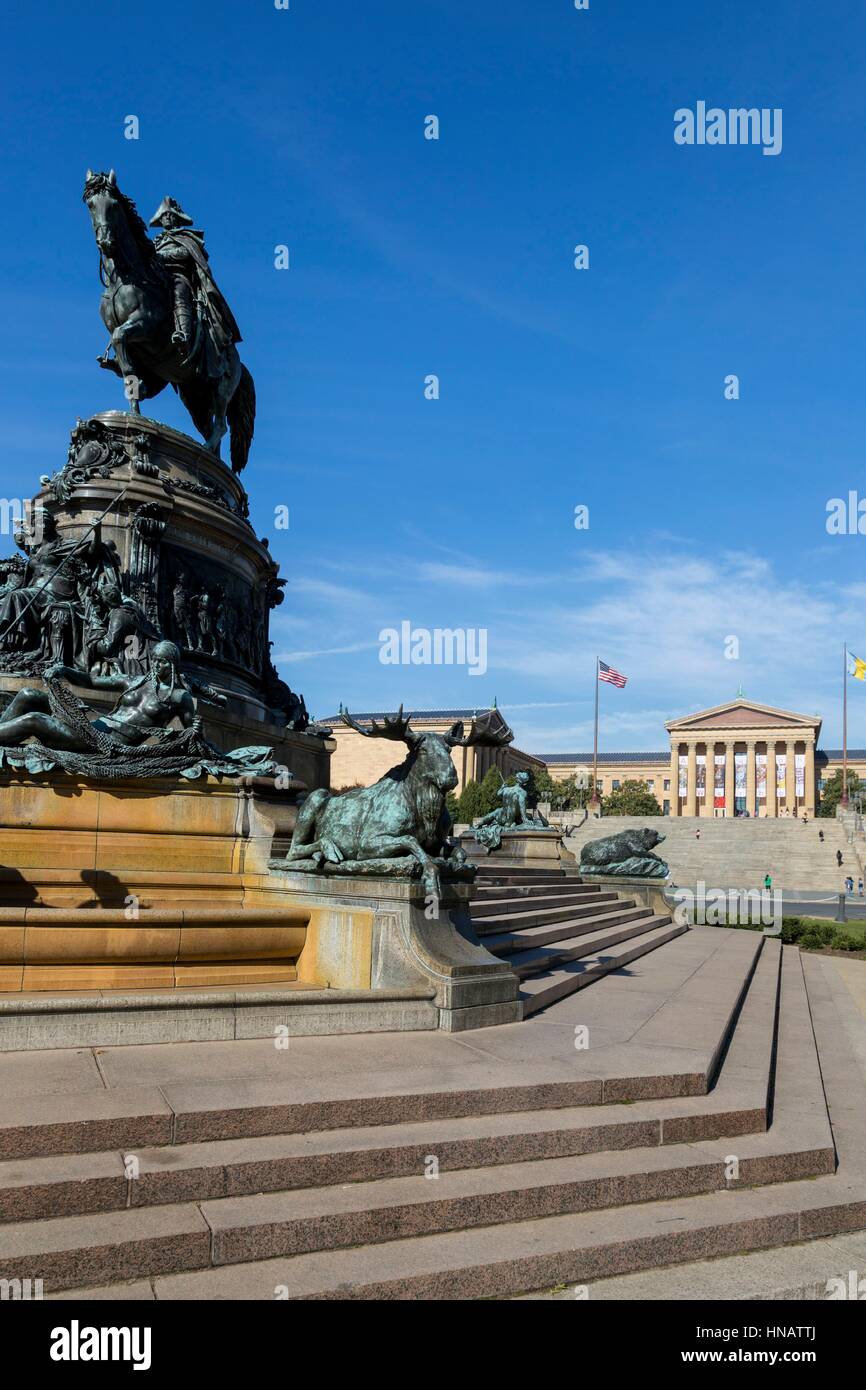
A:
781,770
684,776
740,774
701,776
761,776
800,773
719,781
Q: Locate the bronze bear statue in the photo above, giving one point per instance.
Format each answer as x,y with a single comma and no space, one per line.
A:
627,854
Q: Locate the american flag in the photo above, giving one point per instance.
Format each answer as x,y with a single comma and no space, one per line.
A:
607,673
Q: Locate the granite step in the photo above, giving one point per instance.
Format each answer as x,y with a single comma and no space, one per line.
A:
132,1118
487,891
78,1250
521,878
538,902
536,960
394,1212
501,942
542,989
816,1270
72,1184
533,916
496,1261
493,1261
655,1063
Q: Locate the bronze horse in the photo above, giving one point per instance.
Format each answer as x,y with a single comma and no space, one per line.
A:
136,309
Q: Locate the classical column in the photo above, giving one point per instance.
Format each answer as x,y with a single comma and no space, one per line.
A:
730,784
710,779
772,809
811,791
692,778
675,778
750,776
790,784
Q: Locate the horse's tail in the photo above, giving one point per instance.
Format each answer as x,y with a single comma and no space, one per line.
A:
241,415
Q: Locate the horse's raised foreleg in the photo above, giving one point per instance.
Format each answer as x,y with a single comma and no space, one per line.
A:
137,328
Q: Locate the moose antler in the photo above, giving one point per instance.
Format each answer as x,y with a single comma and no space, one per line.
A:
396,728
482,732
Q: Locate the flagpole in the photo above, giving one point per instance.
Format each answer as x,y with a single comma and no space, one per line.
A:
844,797
595,742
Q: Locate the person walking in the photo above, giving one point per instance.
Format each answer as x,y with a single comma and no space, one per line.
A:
859,888
849,884
768,883
821,836
838,859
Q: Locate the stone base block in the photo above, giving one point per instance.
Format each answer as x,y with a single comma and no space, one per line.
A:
523,849
38,1022
649,892
71,842
373,933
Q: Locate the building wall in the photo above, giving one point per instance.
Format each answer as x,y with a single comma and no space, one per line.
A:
357,759
654,770
665,787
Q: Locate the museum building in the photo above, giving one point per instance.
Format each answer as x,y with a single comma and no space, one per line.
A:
737,758
734,759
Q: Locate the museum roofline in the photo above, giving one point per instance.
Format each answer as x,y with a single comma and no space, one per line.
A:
831,754
418,714
664,757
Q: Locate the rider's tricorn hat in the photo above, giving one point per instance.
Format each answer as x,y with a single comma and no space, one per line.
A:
170,211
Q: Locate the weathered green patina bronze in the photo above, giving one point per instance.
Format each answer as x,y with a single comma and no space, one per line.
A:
627,854
517,812
401,825
167,320
42,729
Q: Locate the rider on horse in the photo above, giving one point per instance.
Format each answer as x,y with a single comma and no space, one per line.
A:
182,254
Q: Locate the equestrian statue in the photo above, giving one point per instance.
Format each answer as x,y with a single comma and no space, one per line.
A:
166,317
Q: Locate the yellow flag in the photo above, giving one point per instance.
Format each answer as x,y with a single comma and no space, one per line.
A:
857,669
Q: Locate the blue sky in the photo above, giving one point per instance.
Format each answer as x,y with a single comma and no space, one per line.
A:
558,387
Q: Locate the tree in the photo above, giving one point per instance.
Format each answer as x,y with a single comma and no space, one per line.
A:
468,803
633,798
489,792
544,785
832,793
566,794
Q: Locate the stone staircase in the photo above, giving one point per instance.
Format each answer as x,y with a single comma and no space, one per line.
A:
558,934
695,1126
737,853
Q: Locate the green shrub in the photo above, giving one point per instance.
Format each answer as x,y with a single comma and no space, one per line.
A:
812,933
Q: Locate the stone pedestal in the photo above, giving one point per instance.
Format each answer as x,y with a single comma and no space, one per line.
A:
176,520
523,849
375,933
648,892
70,842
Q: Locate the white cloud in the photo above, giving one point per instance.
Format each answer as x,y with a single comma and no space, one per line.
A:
662,616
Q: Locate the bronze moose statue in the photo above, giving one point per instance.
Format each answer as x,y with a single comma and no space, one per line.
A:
401,824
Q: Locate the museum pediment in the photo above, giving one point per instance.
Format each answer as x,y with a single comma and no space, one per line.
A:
743,714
